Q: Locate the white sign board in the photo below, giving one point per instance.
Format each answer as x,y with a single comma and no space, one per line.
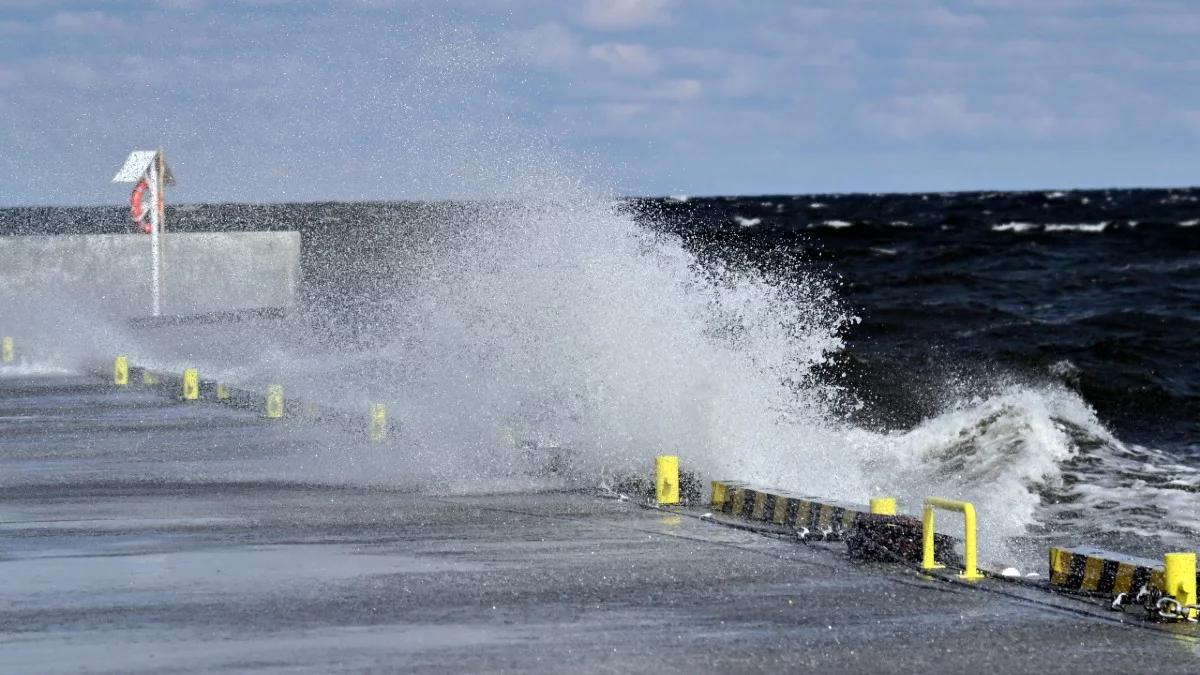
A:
137,164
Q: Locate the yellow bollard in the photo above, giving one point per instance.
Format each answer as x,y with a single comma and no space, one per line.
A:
970,554
378,422
191,384
666,479
883,506
6,350
121,371
222,392
149,378
1179,577
718,494
274,402
927,559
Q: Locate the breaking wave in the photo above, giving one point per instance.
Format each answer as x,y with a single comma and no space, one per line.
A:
519,334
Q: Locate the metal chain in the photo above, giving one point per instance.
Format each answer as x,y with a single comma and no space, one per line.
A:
825,534
1157,605
1170,608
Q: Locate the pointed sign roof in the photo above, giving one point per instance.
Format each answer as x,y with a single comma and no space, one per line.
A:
136,166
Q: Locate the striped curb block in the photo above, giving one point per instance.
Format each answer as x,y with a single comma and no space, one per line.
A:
1091,569
869,536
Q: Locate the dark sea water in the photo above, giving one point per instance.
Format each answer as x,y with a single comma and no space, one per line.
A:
1093,292
1099,289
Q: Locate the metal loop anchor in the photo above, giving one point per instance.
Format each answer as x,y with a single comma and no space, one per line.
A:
1170,608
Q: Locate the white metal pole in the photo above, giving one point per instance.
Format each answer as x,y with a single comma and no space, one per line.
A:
161,159
155,257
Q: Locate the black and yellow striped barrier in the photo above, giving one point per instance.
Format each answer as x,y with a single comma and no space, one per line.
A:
1095,570
870,534
770,505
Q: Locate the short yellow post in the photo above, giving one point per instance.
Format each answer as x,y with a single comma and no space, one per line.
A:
1179,576
970,554
121,371
718,494
222,392
927,559
666,479
378,422
6,350
191,384
149,378
274,402
883,506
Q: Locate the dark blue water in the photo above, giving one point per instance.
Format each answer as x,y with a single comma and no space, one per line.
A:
1097,289
963,299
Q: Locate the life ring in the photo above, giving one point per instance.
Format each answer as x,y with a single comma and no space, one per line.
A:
138,210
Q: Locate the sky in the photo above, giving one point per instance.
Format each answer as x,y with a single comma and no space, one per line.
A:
294,100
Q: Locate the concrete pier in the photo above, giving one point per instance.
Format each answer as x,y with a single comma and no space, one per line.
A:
110,274
145,535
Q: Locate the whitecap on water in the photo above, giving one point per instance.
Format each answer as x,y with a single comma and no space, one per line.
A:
1014,227
1077,227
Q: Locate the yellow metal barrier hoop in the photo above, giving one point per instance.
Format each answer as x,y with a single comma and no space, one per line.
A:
378,422
970,569
121,371
274,401
191,384
666,480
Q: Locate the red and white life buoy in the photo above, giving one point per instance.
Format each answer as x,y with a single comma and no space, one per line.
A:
140,211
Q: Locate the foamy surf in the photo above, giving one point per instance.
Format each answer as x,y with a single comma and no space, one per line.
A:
1093,228
567,324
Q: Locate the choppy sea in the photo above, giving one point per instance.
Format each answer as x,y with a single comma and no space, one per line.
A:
1037,347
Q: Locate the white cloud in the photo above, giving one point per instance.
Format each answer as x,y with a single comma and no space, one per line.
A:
679,89
184,5
941,18
84,23
14,27
623,112
626,13
625,59
79,75
550,45
1191,119
910,118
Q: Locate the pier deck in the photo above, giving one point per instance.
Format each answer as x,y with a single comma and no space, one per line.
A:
140,534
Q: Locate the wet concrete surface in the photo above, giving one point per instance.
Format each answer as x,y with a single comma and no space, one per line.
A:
138,534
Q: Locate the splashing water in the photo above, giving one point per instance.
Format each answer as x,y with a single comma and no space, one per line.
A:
568,323
548,314
565,323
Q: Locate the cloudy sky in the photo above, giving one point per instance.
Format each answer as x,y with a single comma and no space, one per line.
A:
293,100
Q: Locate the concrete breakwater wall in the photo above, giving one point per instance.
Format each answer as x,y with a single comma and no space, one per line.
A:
110,274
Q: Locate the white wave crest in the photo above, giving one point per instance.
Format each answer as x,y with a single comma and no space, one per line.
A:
1077,227
1014,227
